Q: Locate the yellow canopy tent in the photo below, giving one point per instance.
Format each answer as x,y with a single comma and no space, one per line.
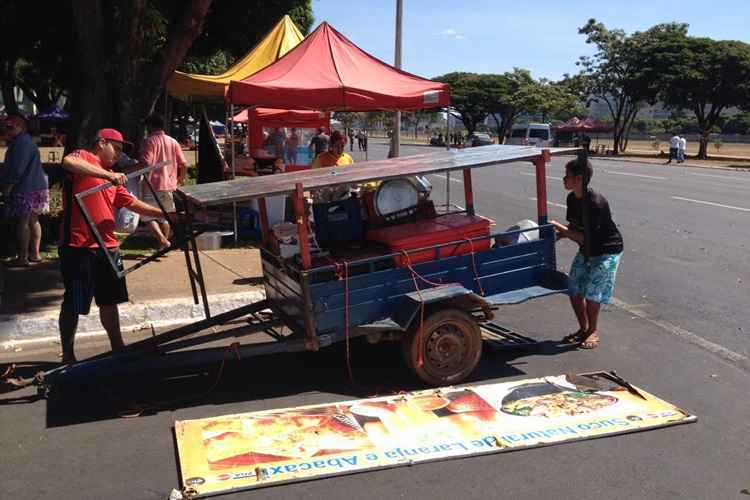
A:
210,88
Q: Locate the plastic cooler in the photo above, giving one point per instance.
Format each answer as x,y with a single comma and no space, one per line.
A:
426,233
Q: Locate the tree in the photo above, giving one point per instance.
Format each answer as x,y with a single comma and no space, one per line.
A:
618,74
468,99
506,96
708,77
122,52
419,117
32,59
346,118
736,124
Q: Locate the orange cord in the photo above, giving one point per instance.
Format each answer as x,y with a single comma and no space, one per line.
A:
474,265
414,275
138,410
346,321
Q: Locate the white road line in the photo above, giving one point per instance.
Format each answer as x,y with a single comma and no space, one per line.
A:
529,174
711,203
636,175
722,177
551,203
452,179
675,330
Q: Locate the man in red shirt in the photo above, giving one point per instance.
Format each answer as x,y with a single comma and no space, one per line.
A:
86,271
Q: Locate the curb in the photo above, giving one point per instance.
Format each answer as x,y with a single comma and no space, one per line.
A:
689,165
42,327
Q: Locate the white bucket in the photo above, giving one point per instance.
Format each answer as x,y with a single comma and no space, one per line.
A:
209,241
525,237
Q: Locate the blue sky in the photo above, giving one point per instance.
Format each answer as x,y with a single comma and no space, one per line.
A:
486,36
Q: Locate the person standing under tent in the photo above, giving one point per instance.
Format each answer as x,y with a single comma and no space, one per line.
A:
86,271
25,188
319,143
351,139
291,144
334,157
158,147
592,281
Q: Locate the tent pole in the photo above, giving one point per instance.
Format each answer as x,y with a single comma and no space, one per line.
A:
448,174
230,122
396,139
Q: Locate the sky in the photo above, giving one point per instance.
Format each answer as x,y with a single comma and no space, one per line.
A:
494,36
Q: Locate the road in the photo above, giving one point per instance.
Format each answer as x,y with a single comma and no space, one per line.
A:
83,444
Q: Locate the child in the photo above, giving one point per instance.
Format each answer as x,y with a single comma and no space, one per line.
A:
591,283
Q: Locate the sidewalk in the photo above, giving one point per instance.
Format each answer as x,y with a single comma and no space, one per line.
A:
160,294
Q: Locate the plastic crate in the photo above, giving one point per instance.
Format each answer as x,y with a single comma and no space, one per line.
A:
338,221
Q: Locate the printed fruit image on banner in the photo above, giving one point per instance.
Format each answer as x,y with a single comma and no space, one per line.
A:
258,449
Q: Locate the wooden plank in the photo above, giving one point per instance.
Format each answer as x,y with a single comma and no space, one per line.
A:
220,193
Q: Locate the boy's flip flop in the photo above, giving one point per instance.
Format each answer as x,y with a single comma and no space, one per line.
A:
574,338
589,342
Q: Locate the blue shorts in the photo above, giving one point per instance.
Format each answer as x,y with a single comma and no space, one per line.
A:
594,280
87,275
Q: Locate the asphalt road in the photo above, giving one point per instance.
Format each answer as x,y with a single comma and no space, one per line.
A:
687,243
79,444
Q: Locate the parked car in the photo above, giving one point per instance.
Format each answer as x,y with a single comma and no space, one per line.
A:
479,139
533,134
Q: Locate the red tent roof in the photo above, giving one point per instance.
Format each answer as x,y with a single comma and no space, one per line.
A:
328,72
586,125
286,117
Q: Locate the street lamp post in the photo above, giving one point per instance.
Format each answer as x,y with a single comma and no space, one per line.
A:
396,136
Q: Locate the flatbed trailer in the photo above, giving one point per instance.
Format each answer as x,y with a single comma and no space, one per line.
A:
435,306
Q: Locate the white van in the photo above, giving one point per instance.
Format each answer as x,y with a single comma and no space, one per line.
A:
532,134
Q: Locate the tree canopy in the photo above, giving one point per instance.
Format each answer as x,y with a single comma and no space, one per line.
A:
120,53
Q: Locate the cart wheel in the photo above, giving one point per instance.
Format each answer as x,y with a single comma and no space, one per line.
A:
451,346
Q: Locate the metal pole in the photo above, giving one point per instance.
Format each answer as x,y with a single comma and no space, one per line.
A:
234,168
448,173
396,138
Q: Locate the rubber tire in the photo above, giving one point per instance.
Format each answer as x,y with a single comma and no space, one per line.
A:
472,336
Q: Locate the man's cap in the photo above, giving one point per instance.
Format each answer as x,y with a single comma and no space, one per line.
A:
111,134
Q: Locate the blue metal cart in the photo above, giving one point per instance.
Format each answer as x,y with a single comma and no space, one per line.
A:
435,308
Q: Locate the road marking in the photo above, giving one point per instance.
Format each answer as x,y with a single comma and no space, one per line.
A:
636,175
691,337
529,174
711,203
722,177
551,203
451,178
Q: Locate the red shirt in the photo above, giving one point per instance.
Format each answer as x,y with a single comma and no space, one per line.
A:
74,232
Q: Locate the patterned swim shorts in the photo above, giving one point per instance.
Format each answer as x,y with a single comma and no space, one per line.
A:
594,280
34,202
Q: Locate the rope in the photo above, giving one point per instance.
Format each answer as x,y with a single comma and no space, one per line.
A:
474,266
346,322
345,277
414,275
203,253
138,410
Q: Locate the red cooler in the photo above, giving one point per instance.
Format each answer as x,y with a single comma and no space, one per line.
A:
454,227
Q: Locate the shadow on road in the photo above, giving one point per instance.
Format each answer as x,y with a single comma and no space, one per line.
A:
377,370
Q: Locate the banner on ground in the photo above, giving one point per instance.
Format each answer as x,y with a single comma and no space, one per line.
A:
264,448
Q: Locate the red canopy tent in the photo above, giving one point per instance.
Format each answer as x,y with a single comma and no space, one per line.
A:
586,125
258,118
327,72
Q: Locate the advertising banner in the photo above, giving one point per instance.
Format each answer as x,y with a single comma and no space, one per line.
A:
250,450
